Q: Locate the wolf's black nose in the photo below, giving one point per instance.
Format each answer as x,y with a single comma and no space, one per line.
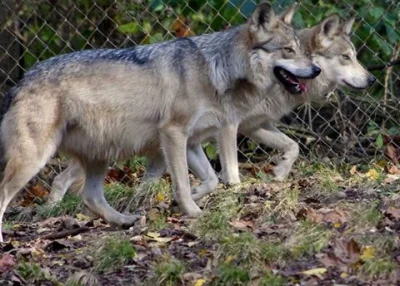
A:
316,70
371,80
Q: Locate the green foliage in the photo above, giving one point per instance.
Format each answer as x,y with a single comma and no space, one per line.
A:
71,204
169,272
33,273
114,254
57,27
154,20
230,274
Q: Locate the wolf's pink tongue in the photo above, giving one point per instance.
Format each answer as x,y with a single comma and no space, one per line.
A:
303,87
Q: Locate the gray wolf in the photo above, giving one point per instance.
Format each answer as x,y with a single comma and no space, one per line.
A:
329,46
102,105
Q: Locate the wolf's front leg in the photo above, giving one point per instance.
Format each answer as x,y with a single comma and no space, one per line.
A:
173,144
271,137
226,140
201,167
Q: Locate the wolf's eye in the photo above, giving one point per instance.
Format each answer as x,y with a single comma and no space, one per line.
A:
289,50
346,57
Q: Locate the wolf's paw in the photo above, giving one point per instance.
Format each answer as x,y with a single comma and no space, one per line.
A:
123,221
195,213
231,181
281,172
191,209
205,188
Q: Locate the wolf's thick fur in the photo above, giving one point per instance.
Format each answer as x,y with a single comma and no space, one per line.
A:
104,105
329,45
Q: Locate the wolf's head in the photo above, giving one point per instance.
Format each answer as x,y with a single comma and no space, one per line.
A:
330,48
275,50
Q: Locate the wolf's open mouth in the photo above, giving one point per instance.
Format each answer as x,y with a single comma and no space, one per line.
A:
289,81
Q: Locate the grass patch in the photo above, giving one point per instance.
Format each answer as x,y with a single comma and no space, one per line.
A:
33,273
169,272
71,204
271,279
222,207
328,181
138,163
230,274
114,253
308,239
118,195
8,225
82,278
212,225
285,203
365,216
143,196
376,267
242,247
273,252
157,221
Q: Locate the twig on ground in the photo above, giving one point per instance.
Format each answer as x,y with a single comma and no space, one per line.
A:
65,233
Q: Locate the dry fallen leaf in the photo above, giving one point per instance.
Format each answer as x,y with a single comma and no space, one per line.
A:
200,282
160,197
33,193
393,212
335,216
372,174
315,271
6,262
353,170
155,236
391,153
393,169
343,254
368,252
82,217
242,224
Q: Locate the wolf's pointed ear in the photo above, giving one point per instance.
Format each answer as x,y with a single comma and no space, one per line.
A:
329,27
288,14
263,16
348,25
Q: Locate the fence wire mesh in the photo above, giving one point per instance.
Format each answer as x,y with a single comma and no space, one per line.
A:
352,126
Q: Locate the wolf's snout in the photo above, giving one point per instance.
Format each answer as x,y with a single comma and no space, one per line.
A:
371,80
316,70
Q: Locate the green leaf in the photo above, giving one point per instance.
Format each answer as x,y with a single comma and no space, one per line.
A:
376,12
129,28
157,5
379,141
391,33
211,152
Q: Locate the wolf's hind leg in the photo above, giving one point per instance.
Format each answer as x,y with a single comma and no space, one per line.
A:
155,167
93,195
24,162
63,181
201,167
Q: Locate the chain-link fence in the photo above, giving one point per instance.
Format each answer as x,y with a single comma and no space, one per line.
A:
354,126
